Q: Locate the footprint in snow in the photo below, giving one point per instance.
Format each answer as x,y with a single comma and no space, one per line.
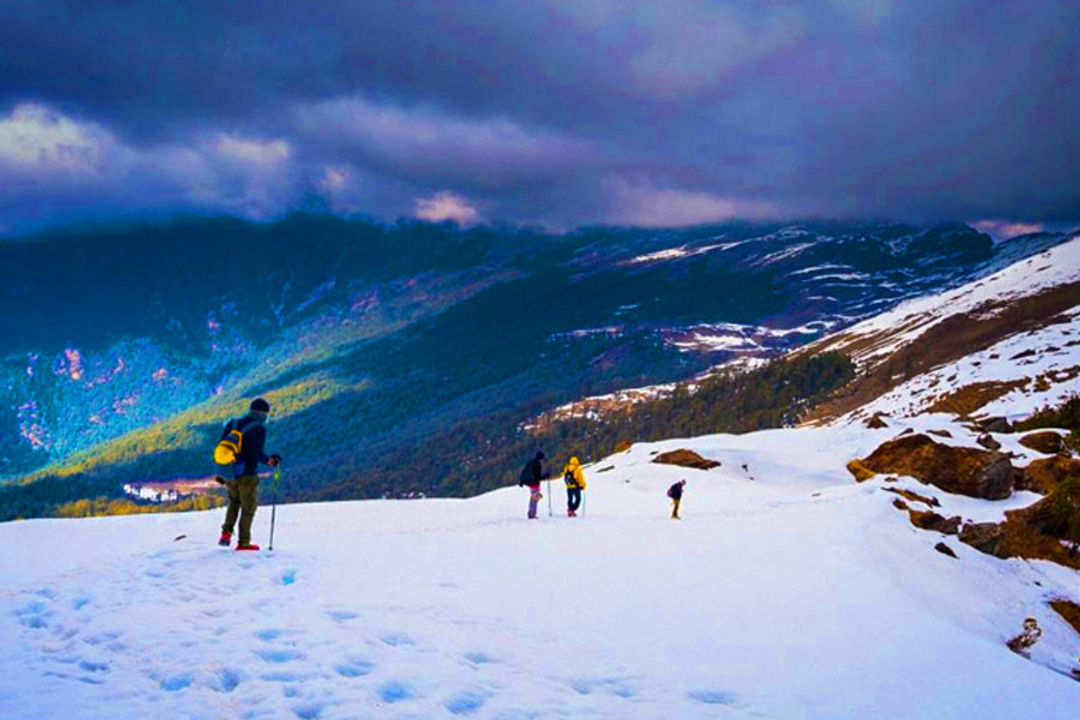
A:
269,634
280,677
279,656
308,711
465,703
397,639
395,691
479,658
93,666
619,687
288,577
228,679
176,683
354,667
713,697
342,615
34,615
84,680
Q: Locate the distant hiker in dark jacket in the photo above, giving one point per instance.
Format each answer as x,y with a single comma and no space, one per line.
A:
675,493
243,489
574,478
531,476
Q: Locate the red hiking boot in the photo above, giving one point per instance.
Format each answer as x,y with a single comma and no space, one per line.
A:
225,540
251,546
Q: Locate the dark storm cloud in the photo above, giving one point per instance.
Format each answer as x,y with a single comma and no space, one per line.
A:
560,112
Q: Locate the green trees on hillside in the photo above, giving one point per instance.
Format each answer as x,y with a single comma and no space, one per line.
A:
487,452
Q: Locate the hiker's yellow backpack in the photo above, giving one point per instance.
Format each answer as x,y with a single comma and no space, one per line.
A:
227,451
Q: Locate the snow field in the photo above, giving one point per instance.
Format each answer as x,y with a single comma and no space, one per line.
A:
788,591
1051,352
1057,266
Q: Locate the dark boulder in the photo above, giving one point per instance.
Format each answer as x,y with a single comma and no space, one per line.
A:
966,471
935,522
988,538
1048,442
945,549
686,458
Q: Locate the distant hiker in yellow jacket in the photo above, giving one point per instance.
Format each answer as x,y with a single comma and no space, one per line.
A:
574,477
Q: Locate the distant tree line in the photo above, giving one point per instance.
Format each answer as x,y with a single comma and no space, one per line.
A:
487,452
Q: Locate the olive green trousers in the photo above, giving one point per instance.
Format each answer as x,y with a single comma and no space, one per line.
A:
243,501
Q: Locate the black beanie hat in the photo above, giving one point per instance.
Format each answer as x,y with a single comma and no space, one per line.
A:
260,405
540,455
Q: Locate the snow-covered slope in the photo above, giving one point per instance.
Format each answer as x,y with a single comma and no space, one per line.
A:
787,591
883,334
1010,341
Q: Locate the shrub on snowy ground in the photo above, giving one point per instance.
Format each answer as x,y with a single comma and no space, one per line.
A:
1064,512
1066,416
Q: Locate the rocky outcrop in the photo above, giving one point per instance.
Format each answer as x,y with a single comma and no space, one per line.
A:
1044,474
1047,441
945,549
876,422
995,424
966,471
985,537
987,441
935,522
686,458
860,471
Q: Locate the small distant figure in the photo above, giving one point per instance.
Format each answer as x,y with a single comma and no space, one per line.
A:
531,477
675,493
241,446
1022,643
574,477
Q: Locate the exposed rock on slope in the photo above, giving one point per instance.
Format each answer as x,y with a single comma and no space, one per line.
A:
686,458
966,349
1047,441
967,471
1044,474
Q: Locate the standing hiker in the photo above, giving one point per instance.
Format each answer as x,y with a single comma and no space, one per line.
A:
675,493
241,446
574,477
531,475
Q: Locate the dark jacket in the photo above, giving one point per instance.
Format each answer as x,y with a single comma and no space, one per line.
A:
675,491
252,450
533,473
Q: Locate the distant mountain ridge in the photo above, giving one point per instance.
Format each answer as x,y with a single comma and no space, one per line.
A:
121,352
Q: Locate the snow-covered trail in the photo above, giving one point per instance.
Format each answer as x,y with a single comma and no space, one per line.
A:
793,595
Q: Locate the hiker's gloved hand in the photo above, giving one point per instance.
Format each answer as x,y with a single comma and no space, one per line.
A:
274,460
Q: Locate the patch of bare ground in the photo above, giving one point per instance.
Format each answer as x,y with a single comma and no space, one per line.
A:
1069,611
968,399
947,341
926,500
1047,442
686,458
1044,474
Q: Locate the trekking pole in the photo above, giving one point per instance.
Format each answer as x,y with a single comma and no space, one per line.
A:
273,507
584,502
549,496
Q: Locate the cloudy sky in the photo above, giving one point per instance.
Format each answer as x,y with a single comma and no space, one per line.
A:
551,112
